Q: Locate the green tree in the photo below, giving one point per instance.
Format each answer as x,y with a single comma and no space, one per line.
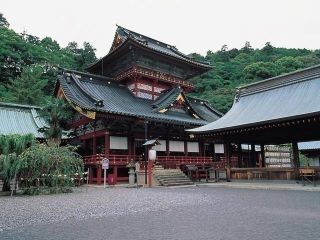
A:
56,112
27,88
3,21
261,70
11,146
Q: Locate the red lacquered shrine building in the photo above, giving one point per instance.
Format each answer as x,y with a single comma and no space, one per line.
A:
139,87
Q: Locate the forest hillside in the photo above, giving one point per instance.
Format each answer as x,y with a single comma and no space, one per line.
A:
28,67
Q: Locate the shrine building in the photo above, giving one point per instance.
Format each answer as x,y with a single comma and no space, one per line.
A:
138,91
276,111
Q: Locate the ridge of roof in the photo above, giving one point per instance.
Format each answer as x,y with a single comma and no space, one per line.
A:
17,105
128,31
66,70
139,39
279,81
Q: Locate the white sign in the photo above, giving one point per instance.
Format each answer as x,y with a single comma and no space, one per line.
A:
105,163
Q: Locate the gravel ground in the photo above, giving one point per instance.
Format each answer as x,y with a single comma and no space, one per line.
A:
159,213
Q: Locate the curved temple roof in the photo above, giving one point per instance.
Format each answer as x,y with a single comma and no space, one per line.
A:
276,99
20,119
149,43
86,91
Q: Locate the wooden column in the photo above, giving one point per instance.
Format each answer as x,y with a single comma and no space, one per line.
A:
167,148
228,160
263,156
129,146
115,174
185,148
94,147
295,152
201,149
253,156
99,174
239,155
107,144
90,172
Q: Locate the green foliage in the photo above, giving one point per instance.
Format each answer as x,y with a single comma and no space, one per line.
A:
56,112
236,67
49,166
20,52
27,88
3,21
231,68
22,157
11,146
304,160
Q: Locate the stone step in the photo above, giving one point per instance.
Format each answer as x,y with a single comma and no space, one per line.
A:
178,184
172,177
163,181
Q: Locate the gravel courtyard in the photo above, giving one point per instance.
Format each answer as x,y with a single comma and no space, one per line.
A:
160,213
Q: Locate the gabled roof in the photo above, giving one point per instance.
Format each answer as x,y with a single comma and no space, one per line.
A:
87,92
281,98
124,36
20,119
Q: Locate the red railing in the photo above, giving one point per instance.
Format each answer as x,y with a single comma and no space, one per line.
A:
176,161
113,159
165,161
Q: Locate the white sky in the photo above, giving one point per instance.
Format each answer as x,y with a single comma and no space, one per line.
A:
192,26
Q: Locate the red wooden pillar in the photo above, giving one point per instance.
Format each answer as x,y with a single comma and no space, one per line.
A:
263,157
99,174
239,155
253,156
115,174
133,146
201,149
94,143
131,149
90,172
185,148
107,144
228,160
167,148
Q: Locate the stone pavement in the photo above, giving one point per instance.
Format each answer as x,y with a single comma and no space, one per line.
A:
241,184
265,185
200,213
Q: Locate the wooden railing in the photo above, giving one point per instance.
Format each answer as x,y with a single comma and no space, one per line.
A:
165,161
176,161
113,159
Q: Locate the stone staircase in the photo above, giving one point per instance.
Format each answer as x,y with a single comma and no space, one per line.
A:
170,177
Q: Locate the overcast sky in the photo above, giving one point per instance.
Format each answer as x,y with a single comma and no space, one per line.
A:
192,26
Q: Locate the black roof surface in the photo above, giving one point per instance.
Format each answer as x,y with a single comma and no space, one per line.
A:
87,92
276,99
152,44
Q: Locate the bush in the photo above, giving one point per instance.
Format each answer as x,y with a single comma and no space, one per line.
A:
49,166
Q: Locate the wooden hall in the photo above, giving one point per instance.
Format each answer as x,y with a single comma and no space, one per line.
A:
279,110
136,92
